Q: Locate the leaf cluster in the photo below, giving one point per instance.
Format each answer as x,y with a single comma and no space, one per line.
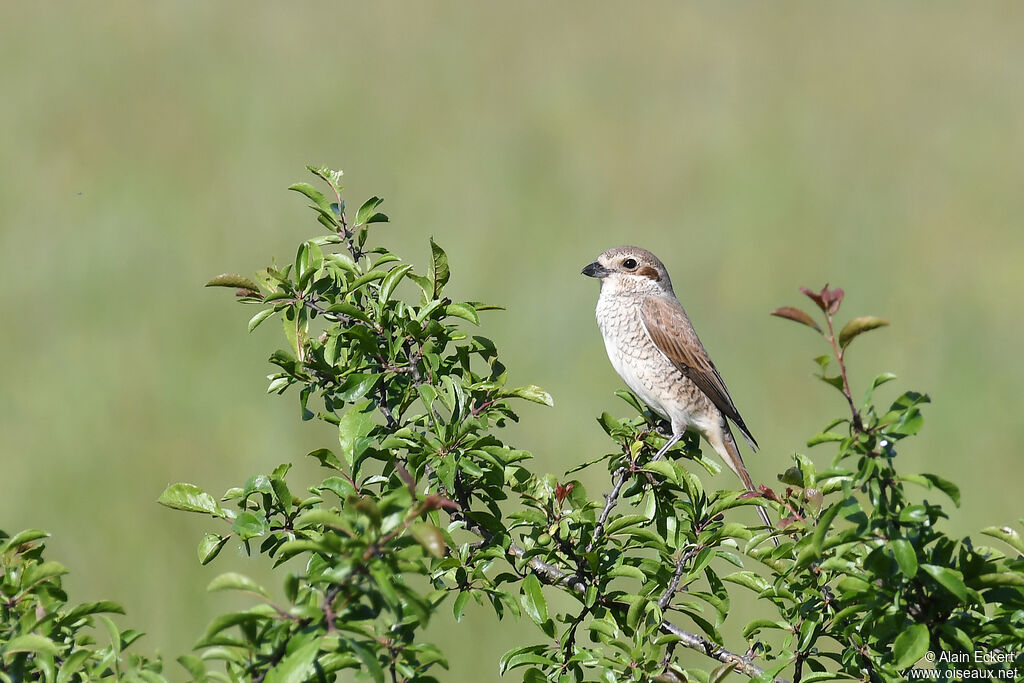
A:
421,506
45,638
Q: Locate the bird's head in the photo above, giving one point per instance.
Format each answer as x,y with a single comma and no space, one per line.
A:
625,270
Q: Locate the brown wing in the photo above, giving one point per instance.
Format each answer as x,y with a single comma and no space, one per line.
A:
670,330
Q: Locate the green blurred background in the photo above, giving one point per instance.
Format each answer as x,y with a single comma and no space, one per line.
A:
755,147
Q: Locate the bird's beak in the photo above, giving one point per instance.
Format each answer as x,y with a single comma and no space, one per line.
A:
595,269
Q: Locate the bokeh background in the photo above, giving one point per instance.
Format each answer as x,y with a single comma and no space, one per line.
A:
756,147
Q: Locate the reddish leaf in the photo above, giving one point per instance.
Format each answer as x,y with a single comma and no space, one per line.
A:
786,521
796,315
816,297
832,298
561,491
404,475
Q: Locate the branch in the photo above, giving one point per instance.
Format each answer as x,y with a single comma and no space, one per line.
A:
620,475
858,425
673,586
554,576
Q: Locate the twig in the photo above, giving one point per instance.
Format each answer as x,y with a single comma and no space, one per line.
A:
858,425
382,406
673,586
554,576
620,475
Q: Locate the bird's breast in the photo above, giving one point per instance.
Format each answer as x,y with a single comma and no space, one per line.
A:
634,356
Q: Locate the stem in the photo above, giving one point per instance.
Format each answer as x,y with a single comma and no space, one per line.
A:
620,475
666,598
553,576
839,353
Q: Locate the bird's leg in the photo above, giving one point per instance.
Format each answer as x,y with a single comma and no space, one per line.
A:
673,440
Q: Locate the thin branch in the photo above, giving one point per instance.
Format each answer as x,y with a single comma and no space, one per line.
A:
858,425
554,576
382,406
666,598
620,475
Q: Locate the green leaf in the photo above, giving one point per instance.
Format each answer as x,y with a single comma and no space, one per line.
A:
439,272
910,645
72,664
313,194
297,666
369,660
624,521
759,624
234,581
233,281
282,494
950,579
21,538
190,498
85,609
664,468
533,600
796,315
875,383
859,326
350,310
627,571
32,642
464,311
226,621
529,654
113,632
946,486
530,393
45,570
1007,535
914,514
1000,579
248,525
825,437
326,457
459,607
812,551
367,211
637,606
721,672
430,537
353,429
195,667
357,385
210,547
906,557
255,321
391,281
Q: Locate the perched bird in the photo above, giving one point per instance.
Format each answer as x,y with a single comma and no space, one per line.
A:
654,348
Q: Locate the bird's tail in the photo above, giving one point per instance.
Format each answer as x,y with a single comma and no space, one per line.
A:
730,454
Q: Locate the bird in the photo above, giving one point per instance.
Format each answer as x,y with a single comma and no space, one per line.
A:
653,347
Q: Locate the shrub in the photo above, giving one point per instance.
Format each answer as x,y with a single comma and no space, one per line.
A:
423,507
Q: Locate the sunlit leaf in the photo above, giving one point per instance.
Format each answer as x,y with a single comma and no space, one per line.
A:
190,498
859,326
439,272
233,281
236,582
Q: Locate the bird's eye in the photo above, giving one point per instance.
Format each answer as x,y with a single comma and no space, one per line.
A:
629,264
